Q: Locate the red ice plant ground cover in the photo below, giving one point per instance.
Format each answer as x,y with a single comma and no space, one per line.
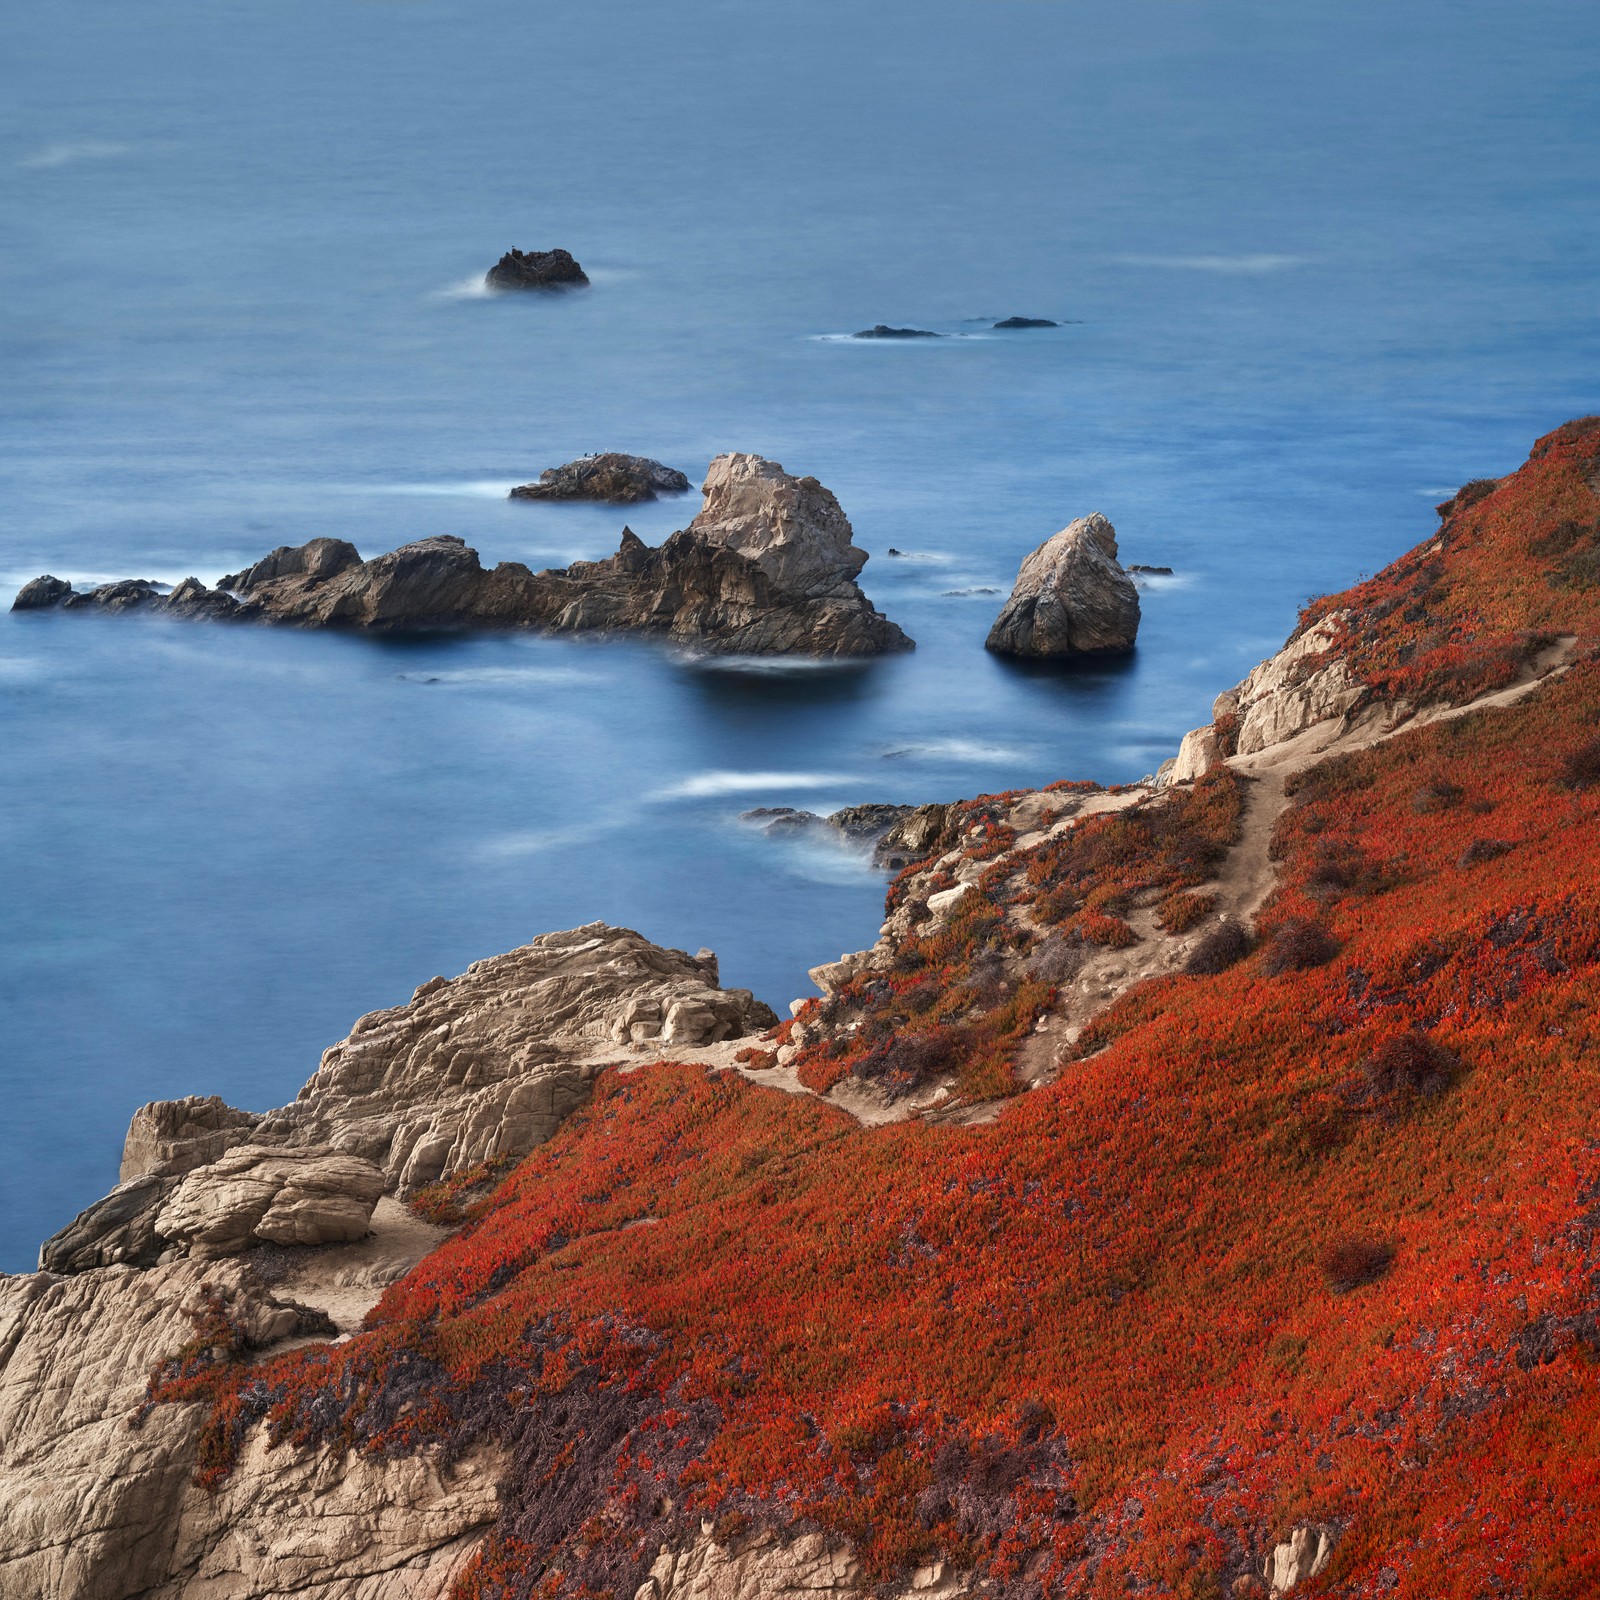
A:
1306,1242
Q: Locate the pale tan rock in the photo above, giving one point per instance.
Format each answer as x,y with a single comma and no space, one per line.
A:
259,1195
175,1136
1301,1557
92,1510
1071,597
1303,684
484,1065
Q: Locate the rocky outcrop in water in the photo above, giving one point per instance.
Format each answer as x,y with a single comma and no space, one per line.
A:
1026,322
612,477
768,567
1071,598
882,330
536,269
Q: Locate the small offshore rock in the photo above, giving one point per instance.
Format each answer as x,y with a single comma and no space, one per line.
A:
41,594
611,477
882,330
1027,322
536,269
1151,572
1071,598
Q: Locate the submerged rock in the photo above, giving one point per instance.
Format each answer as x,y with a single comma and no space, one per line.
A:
882,330
768,567
1027,322
1071,597
612,477
536,269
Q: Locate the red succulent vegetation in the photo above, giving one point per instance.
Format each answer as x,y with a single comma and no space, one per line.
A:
1189,1296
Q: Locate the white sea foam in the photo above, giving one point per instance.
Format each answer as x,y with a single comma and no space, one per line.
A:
474,288
769,666
497,676
14,669
704,785
1226,264
471,489
974,751
67,151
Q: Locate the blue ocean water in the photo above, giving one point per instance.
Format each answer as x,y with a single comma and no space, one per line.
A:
1321,263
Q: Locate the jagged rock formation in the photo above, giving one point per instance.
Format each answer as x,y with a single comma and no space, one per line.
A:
1071,597
1301,1557
768,567
853,825
92,1510
612,477
536,269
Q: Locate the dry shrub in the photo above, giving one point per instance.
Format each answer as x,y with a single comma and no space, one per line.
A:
1439,795
1225,945
757,1060
1059,959
1352,1263
1481,850
1581,767
1180,912
1297,944
1409,1066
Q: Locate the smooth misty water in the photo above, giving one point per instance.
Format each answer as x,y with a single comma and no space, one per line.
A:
1327,261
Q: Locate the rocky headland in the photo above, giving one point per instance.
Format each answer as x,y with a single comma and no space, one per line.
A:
1193,1191
1071,598
767,567
536,269
610,477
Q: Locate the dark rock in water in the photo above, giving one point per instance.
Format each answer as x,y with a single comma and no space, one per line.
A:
768,567
614,478
1027,322
775,820
1071,598
1154,572
41,594
891,551
883,331
321,558
960,593
867,821
536,269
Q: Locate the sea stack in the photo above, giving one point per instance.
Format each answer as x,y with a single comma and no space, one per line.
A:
611,477
536,269
1071,598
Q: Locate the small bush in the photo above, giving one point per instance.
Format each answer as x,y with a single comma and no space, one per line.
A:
1180,912
1440,795
757,1060
1353,1263
1481,850
1408,1066
1224,946
1296,945
1582,766
1059,959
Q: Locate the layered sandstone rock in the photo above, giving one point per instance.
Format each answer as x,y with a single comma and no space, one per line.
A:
91,1509
768,567
1071,598
612,477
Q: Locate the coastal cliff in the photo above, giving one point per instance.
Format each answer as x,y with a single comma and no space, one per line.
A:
1193,1191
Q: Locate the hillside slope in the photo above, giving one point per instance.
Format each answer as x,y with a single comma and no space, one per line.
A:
1285,1271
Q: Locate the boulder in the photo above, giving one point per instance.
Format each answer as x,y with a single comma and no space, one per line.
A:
882,330
536,269
1071,598
315,560
612,477
171,1137
41,594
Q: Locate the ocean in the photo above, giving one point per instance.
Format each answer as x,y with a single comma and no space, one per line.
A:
1316,266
